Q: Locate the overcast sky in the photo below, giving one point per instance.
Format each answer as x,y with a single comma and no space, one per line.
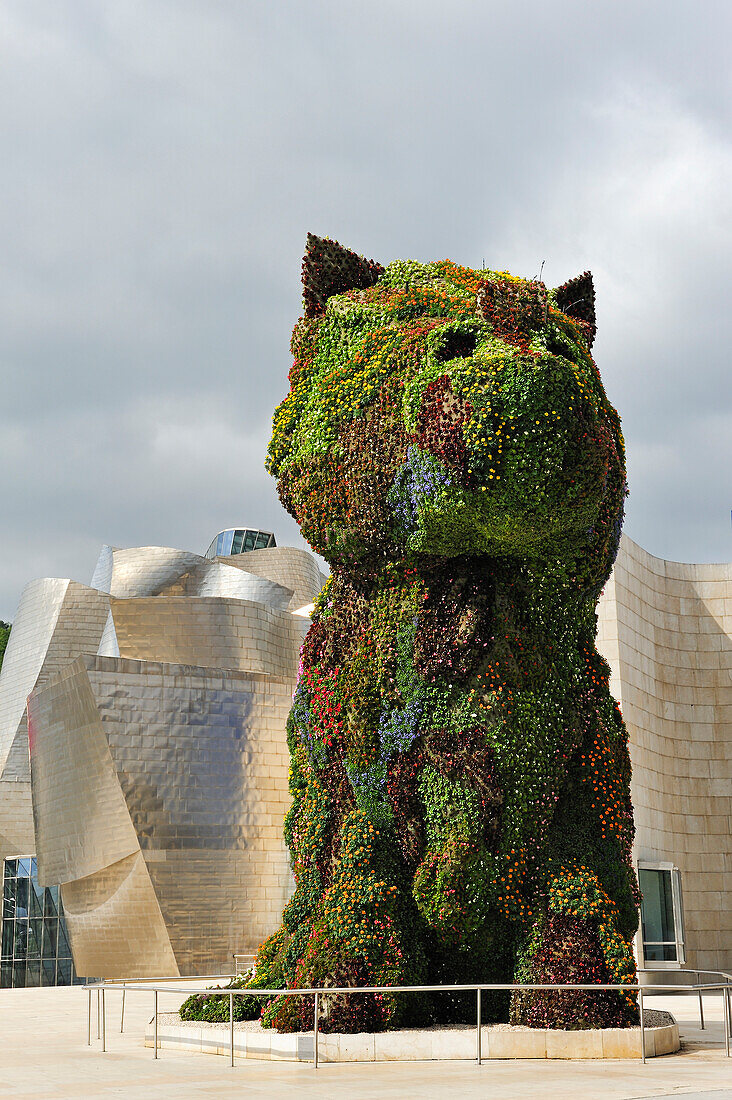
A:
164,159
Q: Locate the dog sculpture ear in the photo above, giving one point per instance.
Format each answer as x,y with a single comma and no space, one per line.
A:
576,298
328,268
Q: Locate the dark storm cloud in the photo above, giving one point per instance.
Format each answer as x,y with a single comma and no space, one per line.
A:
163,161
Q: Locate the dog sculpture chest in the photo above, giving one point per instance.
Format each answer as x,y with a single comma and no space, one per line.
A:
460,775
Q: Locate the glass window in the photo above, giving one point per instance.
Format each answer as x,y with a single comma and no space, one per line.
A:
33,930
50,938
64,972
8,937
35,899
661,914
35,935
21,897
63,942
20,941
239,540
50,901
33,972
9,897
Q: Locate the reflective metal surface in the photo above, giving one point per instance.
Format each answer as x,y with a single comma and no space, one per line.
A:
159,792
209,631
56,619
141,570
282,576
288,566
159,761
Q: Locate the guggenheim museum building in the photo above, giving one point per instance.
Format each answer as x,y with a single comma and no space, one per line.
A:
144,765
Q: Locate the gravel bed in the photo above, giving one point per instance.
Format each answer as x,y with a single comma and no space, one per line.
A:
652,1018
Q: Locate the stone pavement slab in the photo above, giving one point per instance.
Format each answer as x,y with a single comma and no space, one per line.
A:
44,1054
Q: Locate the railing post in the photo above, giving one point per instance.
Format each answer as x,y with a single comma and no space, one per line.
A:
99,1025
701,1009
642,1025
122,1016
104,1023
155,1028
88,1021
231,1028
478,1022
725,1018
315,1033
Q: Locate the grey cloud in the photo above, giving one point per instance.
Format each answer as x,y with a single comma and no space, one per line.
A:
164,161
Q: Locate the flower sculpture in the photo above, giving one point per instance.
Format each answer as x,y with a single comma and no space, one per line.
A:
460,771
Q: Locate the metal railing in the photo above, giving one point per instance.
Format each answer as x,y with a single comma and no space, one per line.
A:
125,982
144,985
691,987
236,956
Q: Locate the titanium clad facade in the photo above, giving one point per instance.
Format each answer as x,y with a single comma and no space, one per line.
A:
159,763
220,633
166,828
287,565
56,620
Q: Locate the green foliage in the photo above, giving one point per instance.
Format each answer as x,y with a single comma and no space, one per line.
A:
460,776
214,1007
4,636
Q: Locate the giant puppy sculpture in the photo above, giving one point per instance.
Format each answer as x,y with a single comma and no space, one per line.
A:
460,773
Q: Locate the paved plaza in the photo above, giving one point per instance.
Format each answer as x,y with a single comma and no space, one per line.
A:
44,1053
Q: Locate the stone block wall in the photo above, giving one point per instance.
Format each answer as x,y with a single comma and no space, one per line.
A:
665,629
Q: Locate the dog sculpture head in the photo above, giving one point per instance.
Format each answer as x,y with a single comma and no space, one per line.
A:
436,410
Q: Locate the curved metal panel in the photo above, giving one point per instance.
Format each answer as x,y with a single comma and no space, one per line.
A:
33,627
210,631
148,570
217,579
56,619
188,765
81,819
108,646
286,565
116,929
102,575
17,837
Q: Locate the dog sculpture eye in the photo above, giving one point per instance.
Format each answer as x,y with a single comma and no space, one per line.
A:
456,345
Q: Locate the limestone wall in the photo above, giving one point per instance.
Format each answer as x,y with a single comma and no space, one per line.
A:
664,628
